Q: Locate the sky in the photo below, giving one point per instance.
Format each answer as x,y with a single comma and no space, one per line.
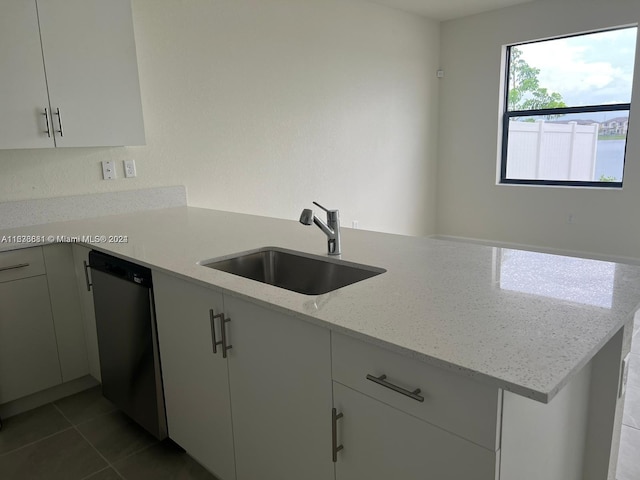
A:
587,69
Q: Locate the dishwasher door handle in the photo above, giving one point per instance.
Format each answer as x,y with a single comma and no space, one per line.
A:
86,275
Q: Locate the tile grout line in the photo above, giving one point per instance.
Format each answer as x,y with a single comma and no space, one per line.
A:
109,464
36,441
100,415
112,465
95,473
142,449
75,427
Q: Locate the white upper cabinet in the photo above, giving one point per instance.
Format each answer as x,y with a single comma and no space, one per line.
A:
92,72
92,90
23,87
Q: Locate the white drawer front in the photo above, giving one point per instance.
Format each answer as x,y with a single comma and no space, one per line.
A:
452,402
382,443
17,264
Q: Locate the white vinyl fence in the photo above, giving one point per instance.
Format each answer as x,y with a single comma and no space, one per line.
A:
552,151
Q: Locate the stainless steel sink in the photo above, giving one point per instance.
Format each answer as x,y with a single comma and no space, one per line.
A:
296,271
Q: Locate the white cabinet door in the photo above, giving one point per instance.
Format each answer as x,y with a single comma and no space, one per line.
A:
280,375
92,72
196,380
66,309
23,89
381,443
83,280
28,352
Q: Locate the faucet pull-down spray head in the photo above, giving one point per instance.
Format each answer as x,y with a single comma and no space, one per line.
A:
306,217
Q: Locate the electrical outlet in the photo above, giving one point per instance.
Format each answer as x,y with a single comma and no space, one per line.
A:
129,168
109,170
354,224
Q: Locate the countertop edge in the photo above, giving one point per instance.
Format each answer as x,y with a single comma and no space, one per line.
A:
543,396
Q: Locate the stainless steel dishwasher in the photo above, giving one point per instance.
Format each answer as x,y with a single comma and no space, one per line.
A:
128,341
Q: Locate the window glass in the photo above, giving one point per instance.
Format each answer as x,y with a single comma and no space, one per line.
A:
567,109
593,69
572,147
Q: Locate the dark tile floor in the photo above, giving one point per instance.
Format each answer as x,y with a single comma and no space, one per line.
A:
629,458
84,437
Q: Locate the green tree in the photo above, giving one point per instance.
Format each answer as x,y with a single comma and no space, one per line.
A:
604,178
525,92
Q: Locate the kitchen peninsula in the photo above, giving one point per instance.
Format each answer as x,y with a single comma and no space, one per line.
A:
518,355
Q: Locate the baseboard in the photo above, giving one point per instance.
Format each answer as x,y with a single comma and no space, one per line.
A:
38,399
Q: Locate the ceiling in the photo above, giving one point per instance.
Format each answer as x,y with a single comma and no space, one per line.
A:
448,9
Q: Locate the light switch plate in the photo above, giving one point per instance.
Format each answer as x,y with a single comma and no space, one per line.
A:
129,168
109,170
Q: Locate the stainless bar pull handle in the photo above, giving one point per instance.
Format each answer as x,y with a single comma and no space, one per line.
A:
223,332
86,275
13,267
212,319
335,448
382,380
46,118
59,122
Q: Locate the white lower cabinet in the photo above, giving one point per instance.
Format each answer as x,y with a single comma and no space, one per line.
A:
28,350
381,442
264,411
85,294
41,332
400,418
67,312
196,380
280,376
254,393
294,401
454,403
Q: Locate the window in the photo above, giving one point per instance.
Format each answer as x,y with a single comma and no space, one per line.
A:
566,114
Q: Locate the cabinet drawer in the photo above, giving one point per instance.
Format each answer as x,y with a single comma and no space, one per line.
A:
452,402
382,443
16,264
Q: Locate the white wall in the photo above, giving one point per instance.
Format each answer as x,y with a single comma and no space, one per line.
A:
262,106
469,201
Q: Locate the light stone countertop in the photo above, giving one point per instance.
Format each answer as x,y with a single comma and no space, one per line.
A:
522,321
